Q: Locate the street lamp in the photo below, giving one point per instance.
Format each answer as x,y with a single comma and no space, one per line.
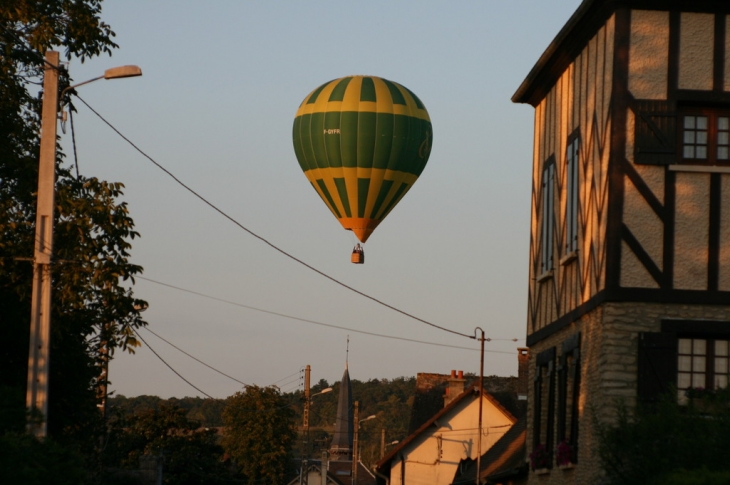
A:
40,317
355,443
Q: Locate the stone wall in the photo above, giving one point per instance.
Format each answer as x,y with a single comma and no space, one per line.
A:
609,357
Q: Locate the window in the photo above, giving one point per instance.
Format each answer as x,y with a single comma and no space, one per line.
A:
544,408
685,354
568,396
701,363
548,215
571,202
705,137
667,134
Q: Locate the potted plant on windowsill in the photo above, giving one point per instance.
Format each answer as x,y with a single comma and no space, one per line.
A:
540,460
700,399
565,455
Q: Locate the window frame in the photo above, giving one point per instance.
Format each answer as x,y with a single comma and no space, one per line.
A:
712,133
547,225
544,362
572,191
658,360
569,372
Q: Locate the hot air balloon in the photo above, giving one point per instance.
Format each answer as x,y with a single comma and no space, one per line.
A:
362,142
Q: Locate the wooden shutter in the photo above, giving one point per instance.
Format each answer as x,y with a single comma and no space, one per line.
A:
657,365
655,132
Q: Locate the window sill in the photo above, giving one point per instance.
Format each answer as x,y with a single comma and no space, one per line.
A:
700,168
567,466
545,276
569,258
542,471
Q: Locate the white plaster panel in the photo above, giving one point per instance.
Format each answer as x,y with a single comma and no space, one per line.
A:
653,176
649,54
696,34
724,283
727,53
643,223
691,231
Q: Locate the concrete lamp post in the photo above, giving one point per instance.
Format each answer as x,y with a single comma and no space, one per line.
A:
40,319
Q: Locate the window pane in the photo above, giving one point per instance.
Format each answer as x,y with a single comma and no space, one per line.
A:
720,382
723,123
702,122
684,363
698,380
721,365
689,121
701,152
722,138
685,346
683,381
689,152
698,364
689,136
702,138
721,347
722,153
699,346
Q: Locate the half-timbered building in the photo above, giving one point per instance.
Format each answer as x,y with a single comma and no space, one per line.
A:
629,289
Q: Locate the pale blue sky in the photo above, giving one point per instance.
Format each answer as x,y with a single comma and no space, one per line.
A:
222,82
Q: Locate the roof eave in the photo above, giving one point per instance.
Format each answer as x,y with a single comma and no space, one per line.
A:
589,16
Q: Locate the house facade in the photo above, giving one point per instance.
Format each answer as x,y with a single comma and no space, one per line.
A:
434,453
629,289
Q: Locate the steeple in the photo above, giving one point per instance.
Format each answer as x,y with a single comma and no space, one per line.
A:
341,447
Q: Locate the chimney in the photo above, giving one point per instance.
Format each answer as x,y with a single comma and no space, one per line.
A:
523,372
455,386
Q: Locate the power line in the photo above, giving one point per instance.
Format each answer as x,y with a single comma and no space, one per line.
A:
287,377
195,358
192,292
234,221
170,367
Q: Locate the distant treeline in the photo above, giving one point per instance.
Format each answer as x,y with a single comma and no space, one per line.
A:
390,400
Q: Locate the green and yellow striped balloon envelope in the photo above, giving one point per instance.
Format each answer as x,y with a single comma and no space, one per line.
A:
362,141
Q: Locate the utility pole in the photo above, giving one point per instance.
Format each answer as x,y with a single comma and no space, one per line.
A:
481,401
323,468
36,398
303,475
356,421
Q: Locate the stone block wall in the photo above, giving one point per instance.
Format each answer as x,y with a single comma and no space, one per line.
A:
609,358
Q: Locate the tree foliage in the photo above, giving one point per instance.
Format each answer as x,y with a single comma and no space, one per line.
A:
651,443
190,454
27,461
259,435
93,305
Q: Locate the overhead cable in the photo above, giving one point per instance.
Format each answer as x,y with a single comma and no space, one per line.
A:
270,244
195,358
170,367
313,321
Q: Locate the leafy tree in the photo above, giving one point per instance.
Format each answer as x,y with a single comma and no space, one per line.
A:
93,305
651,443
191,455
260,434
27,461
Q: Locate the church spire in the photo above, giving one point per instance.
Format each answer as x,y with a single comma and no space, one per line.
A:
341,447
